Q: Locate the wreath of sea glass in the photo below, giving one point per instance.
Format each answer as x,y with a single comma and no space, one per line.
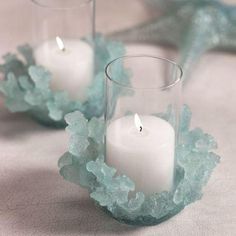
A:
26,86
84,164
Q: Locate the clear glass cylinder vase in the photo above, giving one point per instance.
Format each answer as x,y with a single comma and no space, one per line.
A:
142,120
62,37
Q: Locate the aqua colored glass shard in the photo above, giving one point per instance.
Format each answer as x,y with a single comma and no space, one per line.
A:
78,144
12,65
25,82
102,172
40,76
66,159
27,53
96,129
77,122
135,203
11,90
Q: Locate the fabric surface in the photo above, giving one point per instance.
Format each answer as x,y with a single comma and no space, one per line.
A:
35,200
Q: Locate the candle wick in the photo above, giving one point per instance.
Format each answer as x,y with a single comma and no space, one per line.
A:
141,128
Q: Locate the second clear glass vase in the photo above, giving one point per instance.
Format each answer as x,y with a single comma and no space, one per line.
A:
62,41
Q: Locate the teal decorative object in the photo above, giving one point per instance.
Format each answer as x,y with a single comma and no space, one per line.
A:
193,26
26,86
84,165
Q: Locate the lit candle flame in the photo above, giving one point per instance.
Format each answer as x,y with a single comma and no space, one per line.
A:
138,122
60,43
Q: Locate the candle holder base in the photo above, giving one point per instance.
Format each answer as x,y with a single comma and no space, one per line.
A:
26,86
146,220
84,165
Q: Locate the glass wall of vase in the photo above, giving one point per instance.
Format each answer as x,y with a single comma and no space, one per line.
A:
142,126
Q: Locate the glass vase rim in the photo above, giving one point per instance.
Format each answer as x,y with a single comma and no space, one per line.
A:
48,6
165,87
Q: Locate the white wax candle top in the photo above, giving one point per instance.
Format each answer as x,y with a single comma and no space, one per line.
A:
145,155
71,64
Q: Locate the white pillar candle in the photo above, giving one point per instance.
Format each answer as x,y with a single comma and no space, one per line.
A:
71,64
144,152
